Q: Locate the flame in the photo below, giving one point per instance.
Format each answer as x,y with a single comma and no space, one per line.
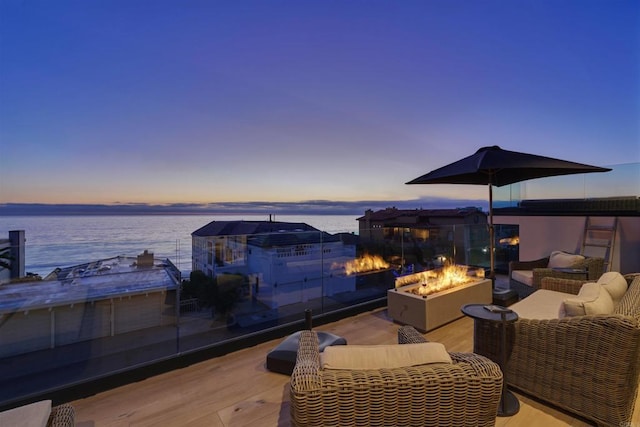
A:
422,277
433,281
511,241
364,263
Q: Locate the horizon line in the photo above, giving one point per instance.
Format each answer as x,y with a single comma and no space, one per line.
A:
309,207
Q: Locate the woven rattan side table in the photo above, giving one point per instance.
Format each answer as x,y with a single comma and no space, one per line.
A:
490,322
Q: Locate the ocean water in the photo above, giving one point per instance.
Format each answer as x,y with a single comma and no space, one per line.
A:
61,241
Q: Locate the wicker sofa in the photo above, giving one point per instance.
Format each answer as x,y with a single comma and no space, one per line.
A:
465,392
588,365
593,268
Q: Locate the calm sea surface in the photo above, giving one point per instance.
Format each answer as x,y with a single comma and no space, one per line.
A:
61,241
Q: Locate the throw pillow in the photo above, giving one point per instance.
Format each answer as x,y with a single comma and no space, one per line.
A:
614,283
592,299
383,356
601,305
574,306
559,259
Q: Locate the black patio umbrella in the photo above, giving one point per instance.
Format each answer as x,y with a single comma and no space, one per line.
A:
495,166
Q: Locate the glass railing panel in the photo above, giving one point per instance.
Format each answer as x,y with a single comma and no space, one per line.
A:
104,314
621,181
365,272
272,279
85,321
428,248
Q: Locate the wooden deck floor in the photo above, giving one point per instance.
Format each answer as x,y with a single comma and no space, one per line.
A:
236,389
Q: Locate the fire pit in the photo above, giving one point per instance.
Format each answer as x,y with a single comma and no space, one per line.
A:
429,299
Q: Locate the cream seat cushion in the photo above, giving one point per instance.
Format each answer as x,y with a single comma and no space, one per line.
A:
523,276
32,415
542,304
383,356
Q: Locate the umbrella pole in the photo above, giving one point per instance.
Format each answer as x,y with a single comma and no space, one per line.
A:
492,272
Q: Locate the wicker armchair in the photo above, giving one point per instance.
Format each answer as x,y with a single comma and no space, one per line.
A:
593,267
466,392
588,365
62,416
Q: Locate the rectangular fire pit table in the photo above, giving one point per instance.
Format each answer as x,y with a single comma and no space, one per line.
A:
434,310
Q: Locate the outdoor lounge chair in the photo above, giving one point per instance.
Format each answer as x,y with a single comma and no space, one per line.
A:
586,364
465,391
525,277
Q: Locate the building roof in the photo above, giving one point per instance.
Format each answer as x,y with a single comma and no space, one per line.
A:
104,279
394,213
236,228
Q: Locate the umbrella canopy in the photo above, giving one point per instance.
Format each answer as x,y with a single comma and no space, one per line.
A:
495,166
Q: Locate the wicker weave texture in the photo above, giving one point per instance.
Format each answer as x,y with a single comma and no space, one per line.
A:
465,393
567,286
588,365
62,416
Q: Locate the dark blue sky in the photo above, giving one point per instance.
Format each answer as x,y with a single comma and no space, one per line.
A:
234,101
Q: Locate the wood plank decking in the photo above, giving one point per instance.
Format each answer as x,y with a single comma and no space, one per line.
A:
237,390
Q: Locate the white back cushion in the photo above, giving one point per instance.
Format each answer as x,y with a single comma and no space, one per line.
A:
592,299
559,259
614,283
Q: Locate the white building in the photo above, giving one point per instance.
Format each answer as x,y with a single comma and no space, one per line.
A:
284,262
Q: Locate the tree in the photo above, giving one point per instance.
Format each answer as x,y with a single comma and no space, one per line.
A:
221,293
199,286
228,290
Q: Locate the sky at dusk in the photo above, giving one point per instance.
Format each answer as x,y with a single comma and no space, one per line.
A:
127,101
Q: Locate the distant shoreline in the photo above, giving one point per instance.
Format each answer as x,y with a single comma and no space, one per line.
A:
119,211
313,207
